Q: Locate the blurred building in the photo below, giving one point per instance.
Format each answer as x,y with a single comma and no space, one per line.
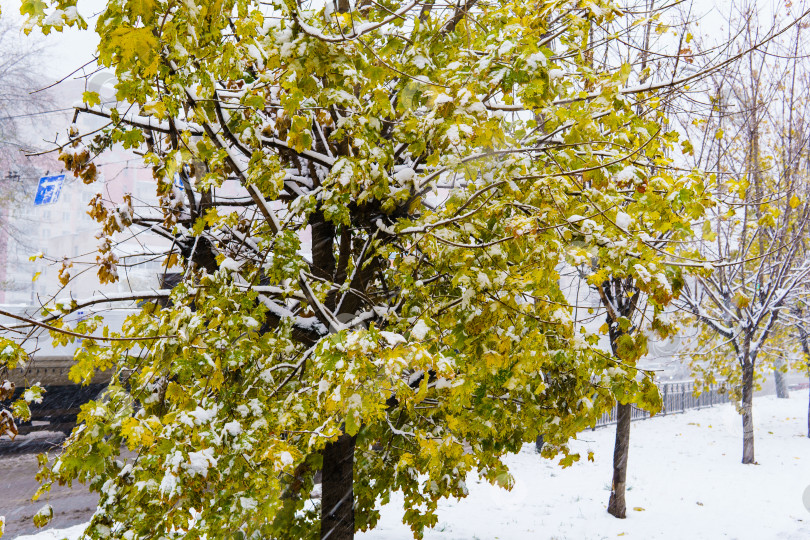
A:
65,230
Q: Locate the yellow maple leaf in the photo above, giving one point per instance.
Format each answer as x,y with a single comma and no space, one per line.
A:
795,201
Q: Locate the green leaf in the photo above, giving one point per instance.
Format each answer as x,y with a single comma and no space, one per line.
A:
43,516
300,137
156,108
33,8
91,98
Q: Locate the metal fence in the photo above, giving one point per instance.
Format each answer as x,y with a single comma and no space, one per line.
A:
677,397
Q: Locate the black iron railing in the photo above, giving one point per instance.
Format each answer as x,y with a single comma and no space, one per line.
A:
677,397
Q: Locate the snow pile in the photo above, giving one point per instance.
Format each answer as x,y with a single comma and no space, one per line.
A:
623,220
71,533
685,480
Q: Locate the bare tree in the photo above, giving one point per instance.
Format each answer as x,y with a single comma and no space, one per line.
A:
20,106
22,98
754,237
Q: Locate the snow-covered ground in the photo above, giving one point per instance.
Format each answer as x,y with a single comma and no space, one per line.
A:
70,533
685,480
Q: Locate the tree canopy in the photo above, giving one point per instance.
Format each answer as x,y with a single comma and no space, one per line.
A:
383,286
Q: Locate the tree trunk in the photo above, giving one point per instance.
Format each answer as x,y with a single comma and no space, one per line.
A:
337,495
748,413
779,380
616,505
806,351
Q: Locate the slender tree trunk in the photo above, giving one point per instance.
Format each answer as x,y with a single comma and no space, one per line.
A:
748,412
806,350
337,495
616,505
623,294
779,380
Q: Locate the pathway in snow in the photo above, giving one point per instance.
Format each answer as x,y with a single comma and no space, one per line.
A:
685,481
18,467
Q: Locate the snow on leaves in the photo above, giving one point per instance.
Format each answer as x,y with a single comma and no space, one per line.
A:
391,269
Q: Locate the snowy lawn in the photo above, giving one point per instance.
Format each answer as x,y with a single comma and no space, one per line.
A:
685,480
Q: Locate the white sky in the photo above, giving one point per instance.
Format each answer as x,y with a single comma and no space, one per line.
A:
68,49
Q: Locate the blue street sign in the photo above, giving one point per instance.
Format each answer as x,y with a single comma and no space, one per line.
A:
49,189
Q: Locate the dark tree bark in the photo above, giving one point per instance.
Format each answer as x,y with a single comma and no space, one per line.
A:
620,297
337,472
621,449
323,235
748,412
337,494
538,444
